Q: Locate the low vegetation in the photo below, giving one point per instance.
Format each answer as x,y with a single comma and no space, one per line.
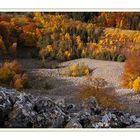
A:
110,56
98,88
75,70
11,75
131,75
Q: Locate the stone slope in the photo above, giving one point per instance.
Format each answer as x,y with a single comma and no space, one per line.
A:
19,110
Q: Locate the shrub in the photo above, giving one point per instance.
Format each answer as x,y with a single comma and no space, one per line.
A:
44,40
108,56
7,32
114,57
98,88
103,56
67,55
131,74
121,58
136,84
11,75
75,70
3,50
111,56
60,56
20,20
20,81
100,56
27,39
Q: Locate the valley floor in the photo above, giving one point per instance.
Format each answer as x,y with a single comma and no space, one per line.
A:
48,81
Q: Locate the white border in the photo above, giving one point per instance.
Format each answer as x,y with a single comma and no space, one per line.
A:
70,4
70,130
69,136
27,7
69,10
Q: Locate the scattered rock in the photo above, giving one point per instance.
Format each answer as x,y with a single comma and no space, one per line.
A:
5,107
134,126
19,110
73,124
91,106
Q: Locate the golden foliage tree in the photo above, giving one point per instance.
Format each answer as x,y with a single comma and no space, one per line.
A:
131,75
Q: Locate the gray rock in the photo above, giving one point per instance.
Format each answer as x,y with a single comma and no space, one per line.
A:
138,120
134,126
73,124
20,110
91,106
5,107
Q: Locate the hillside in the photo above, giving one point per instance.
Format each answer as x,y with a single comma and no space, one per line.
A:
64,62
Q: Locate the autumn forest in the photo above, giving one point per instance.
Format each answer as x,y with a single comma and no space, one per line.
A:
73,56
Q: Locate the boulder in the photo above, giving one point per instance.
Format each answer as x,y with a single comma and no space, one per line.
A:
5,108
91,106
73,124
21,110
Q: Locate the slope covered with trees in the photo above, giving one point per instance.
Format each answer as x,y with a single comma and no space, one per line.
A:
66,36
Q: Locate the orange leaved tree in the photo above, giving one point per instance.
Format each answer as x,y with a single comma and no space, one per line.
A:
131,75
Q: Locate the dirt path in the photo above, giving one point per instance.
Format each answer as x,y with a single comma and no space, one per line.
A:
60,87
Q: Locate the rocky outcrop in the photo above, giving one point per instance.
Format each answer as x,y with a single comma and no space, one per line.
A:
19,110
